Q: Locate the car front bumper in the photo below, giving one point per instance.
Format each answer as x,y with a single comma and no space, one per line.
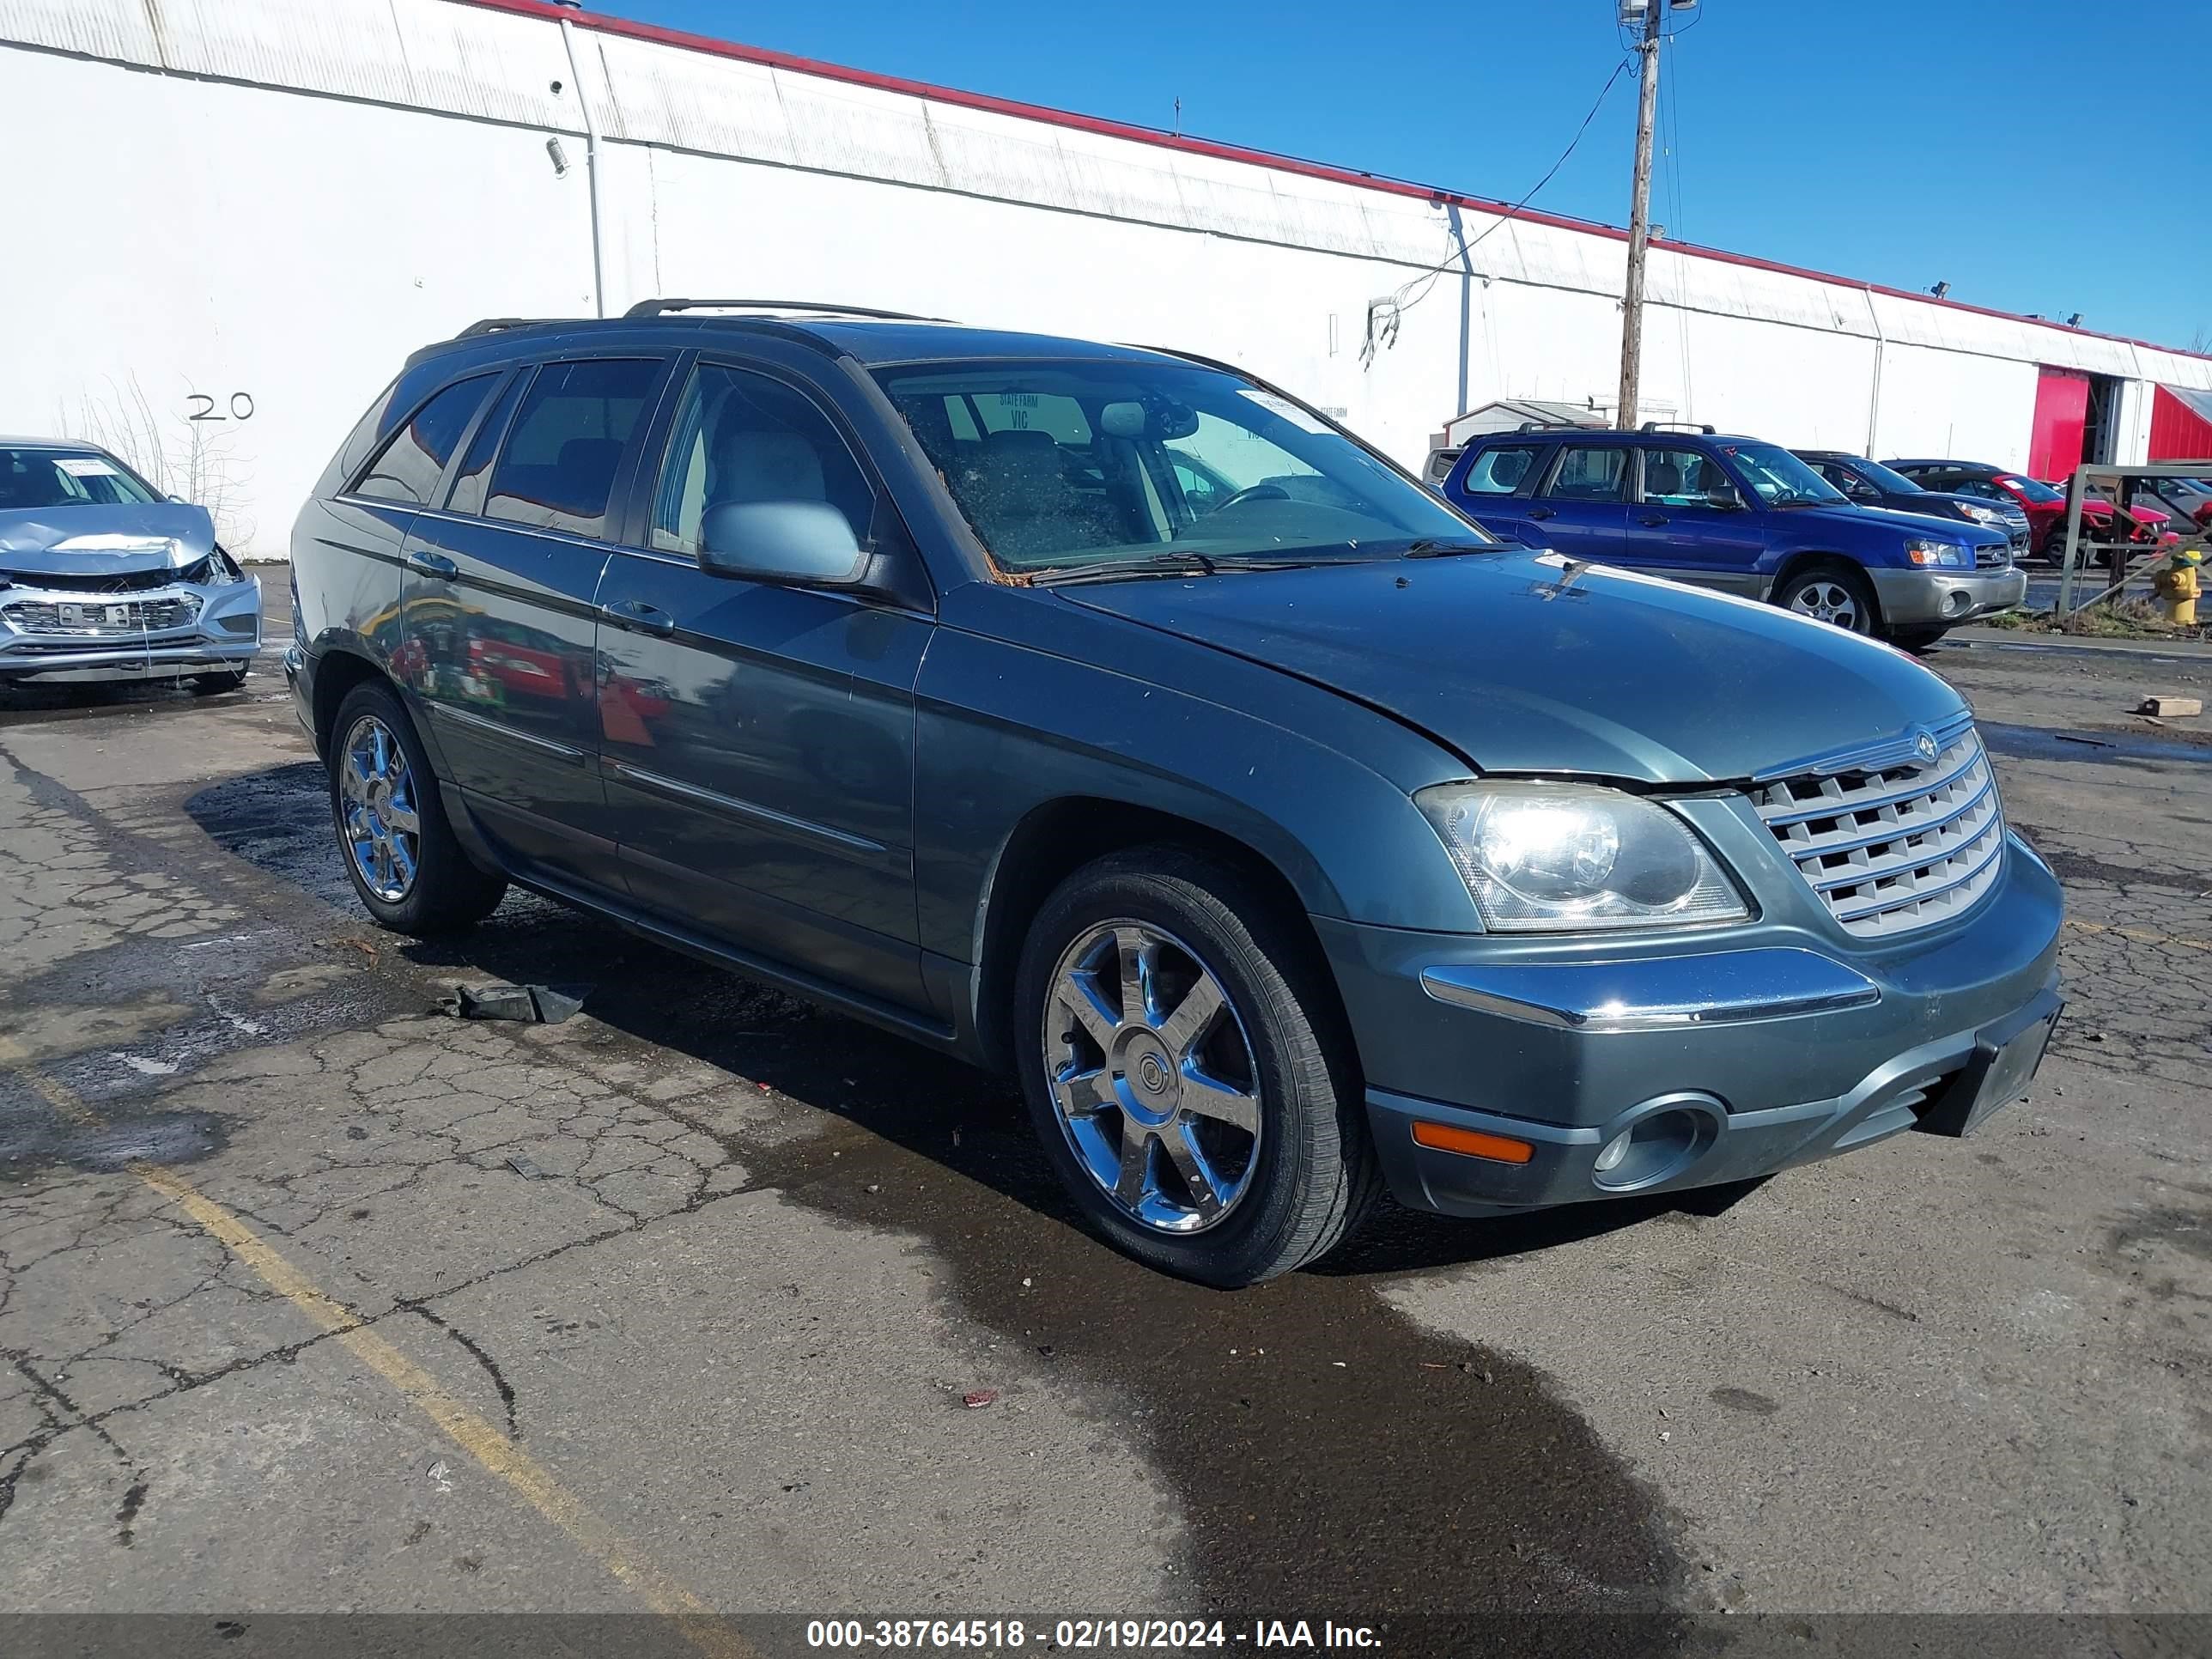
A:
44,638
1768,1054
1923,599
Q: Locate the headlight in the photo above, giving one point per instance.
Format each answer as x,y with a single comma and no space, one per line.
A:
1925,551
1554,857
1978,514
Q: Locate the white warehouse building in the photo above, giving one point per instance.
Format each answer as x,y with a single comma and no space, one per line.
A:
249,211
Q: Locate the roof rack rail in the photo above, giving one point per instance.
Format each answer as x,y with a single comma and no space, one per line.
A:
1549,426
1676,425
500,325
661,308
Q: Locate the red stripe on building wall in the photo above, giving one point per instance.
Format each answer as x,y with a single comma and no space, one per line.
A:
713,47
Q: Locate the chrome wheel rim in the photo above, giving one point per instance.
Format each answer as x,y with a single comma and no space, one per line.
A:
1153,1076
1828,602
376,803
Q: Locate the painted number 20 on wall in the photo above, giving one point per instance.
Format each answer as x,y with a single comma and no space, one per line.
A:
205,407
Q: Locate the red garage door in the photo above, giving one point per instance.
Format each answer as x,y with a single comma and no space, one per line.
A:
2061,417
2180,425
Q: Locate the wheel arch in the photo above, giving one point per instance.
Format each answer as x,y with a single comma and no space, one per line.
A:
1809,559
1058,838
336,673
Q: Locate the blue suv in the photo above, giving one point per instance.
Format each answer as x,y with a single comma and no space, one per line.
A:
1739,515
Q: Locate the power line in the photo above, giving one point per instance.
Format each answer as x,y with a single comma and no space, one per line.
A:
1402,299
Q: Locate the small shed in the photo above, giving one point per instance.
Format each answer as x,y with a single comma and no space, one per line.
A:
1504,414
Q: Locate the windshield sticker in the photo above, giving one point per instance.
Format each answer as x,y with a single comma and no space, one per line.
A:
85,466
1289,411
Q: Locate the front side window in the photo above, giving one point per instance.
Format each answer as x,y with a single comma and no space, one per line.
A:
65,477
557,469
742,437
408,467
1501,471
1062,465
1683,477
1589,473
1780,478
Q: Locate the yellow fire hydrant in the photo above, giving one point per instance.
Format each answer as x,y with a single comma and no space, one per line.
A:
2178,584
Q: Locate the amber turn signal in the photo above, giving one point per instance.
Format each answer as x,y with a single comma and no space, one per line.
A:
1499,1149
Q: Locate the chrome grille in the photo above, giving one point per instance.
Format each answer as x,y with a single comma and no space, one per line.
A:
1893,846
100,619
1990,558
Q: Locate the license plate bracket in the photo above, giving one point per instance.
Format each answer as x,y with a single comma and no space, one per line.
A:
2007,1056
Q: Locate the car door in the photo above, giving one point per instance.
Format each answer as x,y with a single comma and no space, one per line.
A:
758,737
498,597
371,516
1497,487
1581,508
1690,521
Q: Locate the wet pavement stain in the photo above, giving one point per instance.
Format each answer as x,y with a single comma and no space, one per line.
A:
2038,742
32,1140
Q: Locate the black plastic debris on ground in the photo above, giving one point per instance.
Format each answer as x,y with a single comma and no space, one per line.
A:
533,1005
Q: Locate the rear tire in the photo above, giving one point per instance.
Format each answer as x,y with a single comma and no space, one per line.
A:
1140,1103
393,834
1831,592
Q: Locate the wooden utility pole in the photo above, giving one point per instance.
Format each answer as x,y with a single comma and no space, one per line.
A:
1639,221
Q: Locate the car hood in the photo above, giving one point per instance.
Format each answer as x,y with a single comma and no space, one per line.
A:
2007,511
1851,516
91,540
1522,663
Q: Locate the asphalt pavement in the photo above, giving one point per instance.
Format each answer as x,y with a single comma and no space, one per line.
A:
314,1299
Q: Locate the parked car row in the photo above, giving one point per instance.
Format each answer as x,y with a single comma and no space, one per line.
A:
1881,555
1108,717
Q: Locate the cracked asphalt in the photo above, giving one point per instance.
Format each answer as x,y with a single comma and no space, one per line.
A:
315,1300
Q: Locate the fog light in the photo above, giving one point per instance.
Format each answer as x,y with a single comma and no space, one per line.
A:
1674,1131
1615,1150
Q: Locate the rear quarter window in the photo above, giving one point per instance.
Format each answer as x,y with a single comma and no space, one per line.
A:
1502,471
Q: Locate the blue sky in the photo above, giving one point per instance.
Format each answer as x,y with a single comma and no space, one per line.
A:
1892,142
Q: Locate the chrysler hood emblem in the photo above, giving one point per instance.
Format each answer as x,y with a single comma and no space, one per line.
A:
1925,743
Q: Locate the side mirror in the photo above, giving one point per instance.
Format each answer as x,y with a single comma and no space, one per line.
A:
1726,498
791,543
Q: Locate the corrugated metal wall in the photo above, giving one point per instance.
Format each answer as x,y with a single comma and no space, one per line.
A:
329,184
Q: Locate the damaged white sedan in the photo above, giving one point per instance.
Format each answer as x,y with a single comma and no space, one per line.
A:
102,579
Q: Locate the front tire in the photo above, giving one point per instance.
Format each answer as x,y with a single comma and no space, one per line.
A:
1186,1068
1832,593
209,686
393,834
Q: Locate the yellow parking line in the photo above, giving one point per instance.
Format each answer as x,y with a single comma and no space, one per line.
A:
490,1448
2140,935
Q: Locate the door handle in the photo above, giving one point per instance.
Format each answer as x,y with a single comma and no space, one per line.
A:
1653,519
1539,513
639,617
431,564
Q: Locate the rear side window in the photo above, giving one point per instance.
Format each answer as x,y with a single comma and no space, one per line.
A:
468,494
558,471
1589,474
1501,471
409,467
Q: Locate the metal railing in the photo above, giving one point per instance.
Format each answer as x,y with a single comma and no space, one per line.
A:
2125,553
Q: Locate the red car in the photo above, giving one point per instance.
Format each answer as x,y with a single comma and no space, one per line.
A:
2154,525
2045,508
